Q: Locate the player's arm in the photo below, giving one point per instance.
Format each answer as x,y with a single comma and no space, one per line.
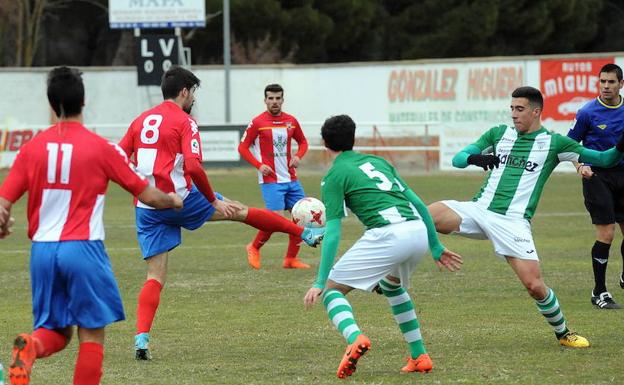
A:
578,133
329,250
302,144
11,190
157,199
251,133
572,151
479,153
127,142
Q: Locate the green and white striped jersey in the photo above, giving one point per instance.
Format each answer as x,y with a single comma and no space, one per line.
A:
370,187
526,162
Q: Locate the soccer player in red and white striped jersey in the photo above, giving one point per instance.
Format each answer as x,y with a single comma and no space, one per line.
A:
165,144
65,170
266,145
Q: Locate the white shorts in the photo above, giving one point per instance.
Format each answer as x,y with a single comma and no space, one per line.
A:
510,236
394,250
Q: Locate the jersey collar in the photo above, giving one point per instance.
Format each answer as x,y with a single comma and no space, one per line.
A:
608,106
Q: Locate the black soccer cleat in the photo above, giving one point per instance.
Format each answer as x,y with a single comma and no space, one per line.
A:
604,301
142,355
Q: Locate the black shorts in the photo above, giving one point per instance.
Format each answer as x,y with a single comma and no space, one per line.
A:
604,195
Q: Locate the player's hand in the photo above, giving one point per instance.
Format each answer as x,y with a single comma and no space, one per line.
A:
227,209
266,170
449,260
585,171
312,297
6,229
178,203
4,216
294,161
484,161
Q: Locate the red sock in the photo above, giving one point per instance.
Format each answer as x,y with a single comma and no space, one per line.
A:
267,220
294,244
149,298
261,238
89,364
48,342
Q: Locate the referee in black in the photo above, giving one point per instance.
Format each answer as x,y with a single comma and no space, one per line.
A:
599,124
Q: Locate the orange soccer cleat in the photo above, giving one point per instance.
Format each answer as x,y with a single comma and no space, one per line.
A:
353,353
253,256
22,359
294,263
421,364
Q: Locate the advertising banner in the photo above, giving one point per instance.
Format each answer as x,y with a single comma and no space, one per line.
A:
567,84
128,14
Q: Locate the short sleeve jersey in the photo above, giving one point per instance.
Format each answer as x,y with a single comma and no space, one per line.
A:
599,126
370,187
66,170
526,162
269,139
161,139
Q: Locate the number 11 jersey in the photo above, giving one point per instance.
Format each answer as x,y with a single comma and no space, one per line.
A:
160,139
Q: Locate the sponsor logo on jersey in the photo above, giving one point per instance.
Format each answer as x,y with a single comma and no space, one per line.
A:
514,161
289,126
194,127
195,146
280,146
602,126
521,240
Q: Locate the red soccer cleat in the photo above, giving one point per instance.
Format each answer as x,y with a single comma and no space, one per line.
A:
294,263
353,353
253,256
421,364
22,359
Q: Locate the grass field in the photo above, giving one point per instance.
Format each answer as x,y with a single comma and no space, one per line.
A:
219,322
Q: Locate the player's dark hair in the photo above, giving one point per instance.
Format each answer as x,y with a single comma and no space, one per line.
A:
338,132
65,91
273,88
612,68
536,100
175,80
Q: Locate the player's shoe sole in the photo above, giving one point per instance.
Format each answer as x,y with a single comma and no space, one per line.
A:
622,280
422,364
22,360
294,263
253,256
354,352
573,340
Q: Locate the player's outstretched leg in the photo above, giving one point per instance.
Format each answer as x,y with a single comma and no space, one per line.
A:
22,360
291,261
549,307
405,316
267,220
341,315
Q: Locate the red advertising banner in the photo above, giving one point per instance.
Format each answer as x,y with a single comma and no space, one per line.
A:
568,84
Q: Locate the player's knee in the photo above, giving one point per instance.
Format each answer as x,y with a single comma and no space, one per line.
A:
536,289
606,233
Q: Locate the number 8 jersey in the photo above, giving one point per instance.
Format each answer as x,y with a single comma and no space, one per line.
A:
370,187
160,139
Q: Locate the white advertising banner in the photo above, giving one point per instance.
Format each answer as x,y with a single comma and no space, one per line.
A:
220,146
124,14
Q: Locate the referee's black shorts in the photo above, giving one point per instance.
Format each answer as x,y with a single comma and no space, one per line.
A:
604,195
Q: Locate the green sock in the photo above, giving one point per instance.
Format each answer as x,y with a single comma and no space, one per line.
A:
549,307
341,314
405,315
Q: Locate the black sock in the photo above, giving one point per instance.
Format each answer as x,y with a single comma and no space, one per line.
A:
622,252
600,257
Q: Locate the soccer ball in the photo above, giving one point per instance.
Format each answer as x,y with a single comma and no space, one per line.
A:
309,212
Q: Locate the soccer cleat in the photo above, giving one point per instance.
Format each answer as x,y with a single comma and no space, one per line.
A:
573,340
253,256
313,236
604,301
294,263
353,353
421,364
22,359
622,280
141,347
